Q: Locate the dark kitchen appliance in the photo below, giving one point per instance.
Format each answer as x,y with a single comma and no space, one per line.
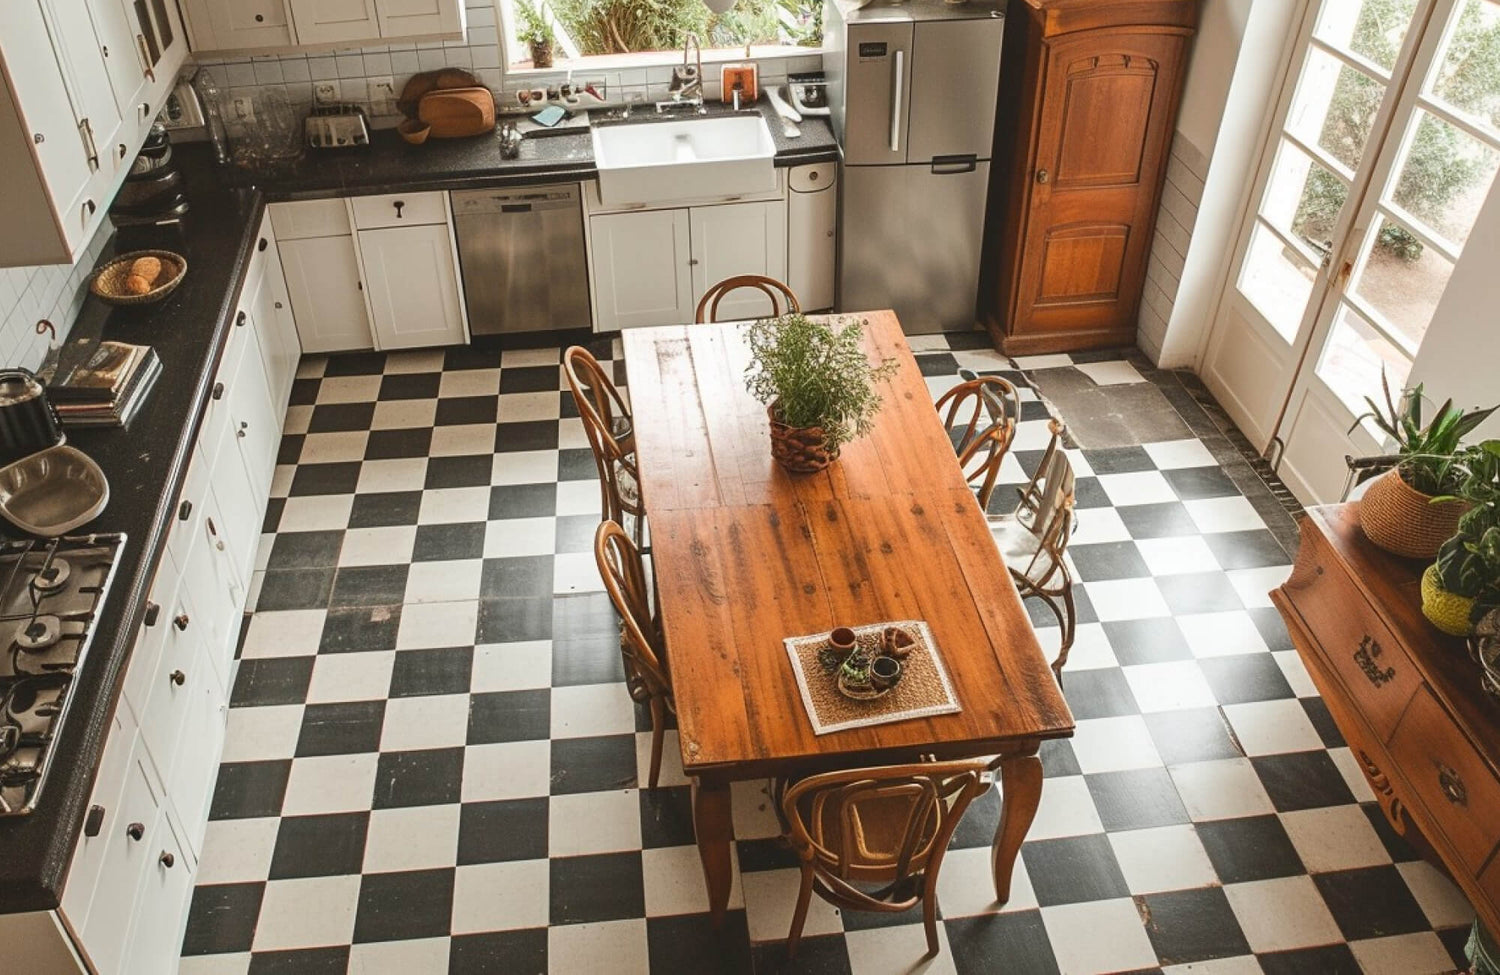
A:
50,595
152,193
28,423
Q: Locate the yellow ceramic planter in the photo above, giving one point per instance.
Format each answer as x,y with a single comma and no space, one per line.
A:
1447,611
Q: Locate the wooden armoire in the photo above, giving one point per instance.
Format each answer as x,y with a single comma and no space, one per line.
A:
1089,100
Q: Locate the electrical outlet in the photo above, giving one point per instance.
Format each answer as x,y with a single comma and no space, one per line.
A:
382,95
243,108
325,92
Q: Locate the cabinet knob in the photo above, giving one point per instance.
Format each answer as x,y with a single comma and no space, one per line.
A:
239,320
262,244
218,390
180,621
278,306
89,207
152,612
1452,786
398,204
260,18
94,821
177,677
135,831
1042,176
214,531
166,859
184,511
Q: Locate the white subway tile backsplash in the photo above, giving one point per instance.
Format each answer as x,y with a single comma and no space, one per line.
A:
268,72
377,65
294,70
404,63
239,73
432,60
322,68
350,65
54,293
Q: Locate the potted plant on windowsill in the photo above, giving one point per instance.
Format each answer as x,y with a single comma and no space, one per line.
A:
1411,509
535,32
817,384
1464,583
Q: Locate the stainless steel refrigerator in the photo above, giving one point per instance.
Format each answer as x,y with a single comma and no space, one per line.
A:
912,88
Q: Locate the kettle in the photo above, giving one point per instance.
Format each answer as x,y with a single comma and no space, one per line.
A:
28,423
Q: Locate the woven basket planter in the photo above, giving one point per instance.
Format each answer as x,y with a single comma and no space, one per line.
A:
1447,611
1403,520
801,450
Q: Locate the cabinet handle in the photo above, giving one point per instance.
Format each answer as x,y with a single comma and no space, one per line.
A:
94,821
218,390
166,859
145,52
177,677
122,150
239,320
278,306
1042,176
218,542
1369,651
260,18
184,511
241,431
262,244
180,621
88,208
692,262
86,132
152,612
1452,786
135,831
398,204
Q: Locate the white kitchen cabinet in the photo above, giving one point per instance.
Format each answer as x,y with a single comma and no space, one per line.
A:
265,298
231,25
738,238
334,21
131,843
415,18
161,916
642,274
812,221
411,282
322,280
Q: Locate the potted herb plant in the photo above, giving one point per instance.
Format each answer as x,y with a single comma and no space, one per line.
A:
817,384
535,32
1464,583
1411,510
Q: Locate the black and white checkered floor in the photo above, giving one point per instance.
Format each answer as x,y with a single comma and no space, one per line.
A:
432,764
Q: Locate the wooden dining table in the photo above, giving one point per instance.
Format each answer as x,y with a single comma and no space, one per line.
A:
746,555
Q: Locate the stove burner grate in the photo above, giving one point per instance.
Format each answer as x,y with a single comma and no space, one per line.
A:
52,576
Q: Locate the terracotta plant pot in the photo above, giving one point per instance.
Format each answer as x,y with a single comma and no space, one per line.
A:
1447,611
800,450
541,55
1403,520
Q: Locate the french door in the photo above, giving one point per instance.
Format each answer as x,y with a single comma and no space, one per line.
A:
1384,144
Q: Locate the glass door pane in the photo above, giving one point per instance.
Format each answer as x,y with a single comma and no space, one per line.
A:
1373,30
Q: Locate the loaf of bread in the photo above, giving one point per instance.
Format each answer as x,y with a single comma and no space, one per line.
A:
142,276
137,285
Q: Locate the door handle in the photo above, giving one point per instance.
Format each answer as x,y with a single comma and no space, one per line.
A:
896,85
953,165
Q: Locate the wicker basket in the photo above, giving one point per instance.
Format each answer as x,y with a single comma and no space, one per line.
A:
109,281
801,450
1403,520
1447,611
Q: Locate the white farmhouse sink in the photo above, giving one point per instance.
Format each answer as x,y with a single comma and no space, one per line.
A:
685,159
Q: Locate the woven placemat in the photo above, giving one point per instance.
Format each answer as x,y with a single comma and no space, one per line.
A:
924,688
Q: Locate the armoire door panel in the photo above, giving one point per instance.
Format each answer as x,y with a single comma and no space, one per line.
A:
1102,138
1082,264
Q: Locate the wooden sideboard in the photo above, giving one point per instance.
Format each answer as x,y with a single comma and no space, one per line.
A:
1406,697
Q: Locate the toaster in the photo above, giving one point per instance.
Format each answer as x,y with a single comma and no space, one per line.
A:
336,127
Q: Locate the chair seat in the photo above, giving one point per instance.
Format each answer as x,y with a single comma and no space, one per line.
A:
877,827
1019,547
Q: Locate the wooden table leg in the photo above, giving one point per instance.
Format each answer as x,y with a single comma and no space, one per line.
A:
1020,793
714,826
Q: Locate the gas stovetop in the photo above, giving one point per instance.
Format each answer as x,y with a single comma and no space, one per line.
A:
50,595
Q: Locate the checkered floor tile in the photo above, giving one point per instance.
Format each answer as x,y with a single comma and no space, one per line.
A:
432,765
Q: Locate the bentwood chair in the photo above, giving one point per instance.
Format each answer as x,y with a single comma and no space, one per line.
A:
1033,541
873,839
708,305
980,418
642,649
611,432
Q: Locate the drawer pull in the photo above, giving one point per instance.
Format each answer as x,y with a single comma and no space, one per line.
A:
166,859
153,610
399,205
135,831
218,390
94,821
239,320
184,511
178,677
180,621
262,244
1452,786
212,530
1366,655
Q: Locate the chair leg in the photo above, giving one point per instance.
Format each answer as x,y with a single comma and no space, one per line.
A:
1069,621
799,916
658,731
929,918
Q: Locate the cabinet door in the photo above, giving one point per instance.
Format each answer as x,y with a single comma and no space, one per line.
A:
40,89
412,286
326,21
641,270
412,18
132,844
238,24
322,280
739,238
161,910
812,223
275,329
109,784
94,107
162,46
255,426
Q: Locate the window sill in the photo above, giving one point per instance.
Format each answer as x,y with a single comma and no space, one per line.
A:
581,67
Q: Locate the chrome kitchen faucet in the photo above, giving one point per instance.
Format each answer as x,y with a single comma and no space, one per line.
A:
687,78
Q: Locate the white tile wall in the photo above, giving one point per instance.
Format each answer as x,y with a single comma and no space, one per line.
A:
1175,218
54,292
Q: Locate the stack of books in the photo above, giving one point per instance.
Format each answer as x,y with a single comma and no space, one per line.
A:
108,388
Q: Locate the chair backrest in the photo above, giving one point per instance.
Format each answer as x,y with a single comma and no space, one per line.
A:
610,428
980,415
624,578
888,826
708,305
1047,503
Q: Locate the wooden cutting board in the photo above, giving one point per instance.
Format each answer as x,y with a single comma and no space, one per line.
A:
458,113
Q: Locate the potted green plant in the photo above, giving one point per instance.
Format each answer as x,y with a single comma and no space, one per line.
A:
535,32
1410,510
1464,583
818,386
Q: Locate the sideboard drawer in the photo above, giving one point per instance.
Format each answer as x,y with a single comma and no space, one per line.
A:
1450,779
1356,645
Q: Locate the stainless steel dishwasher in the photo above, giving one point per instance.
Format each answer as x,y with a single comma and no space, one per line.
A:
522,256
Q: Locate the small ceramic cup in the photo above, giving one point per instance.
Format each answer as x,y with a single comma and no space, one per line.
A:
884,672
842,641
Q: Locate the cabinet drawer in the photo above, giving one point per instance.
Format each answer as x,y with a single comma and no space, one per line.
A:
399,210
1450,779
188,514
160,909
183,667
309,218
1355,644
152,635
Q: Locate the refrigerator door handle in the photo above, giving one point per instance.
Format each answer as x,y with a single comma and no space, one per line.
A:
953,165
896,87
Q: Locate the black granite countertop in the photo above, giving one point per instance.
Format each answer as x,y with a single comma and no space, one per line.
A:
145,465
